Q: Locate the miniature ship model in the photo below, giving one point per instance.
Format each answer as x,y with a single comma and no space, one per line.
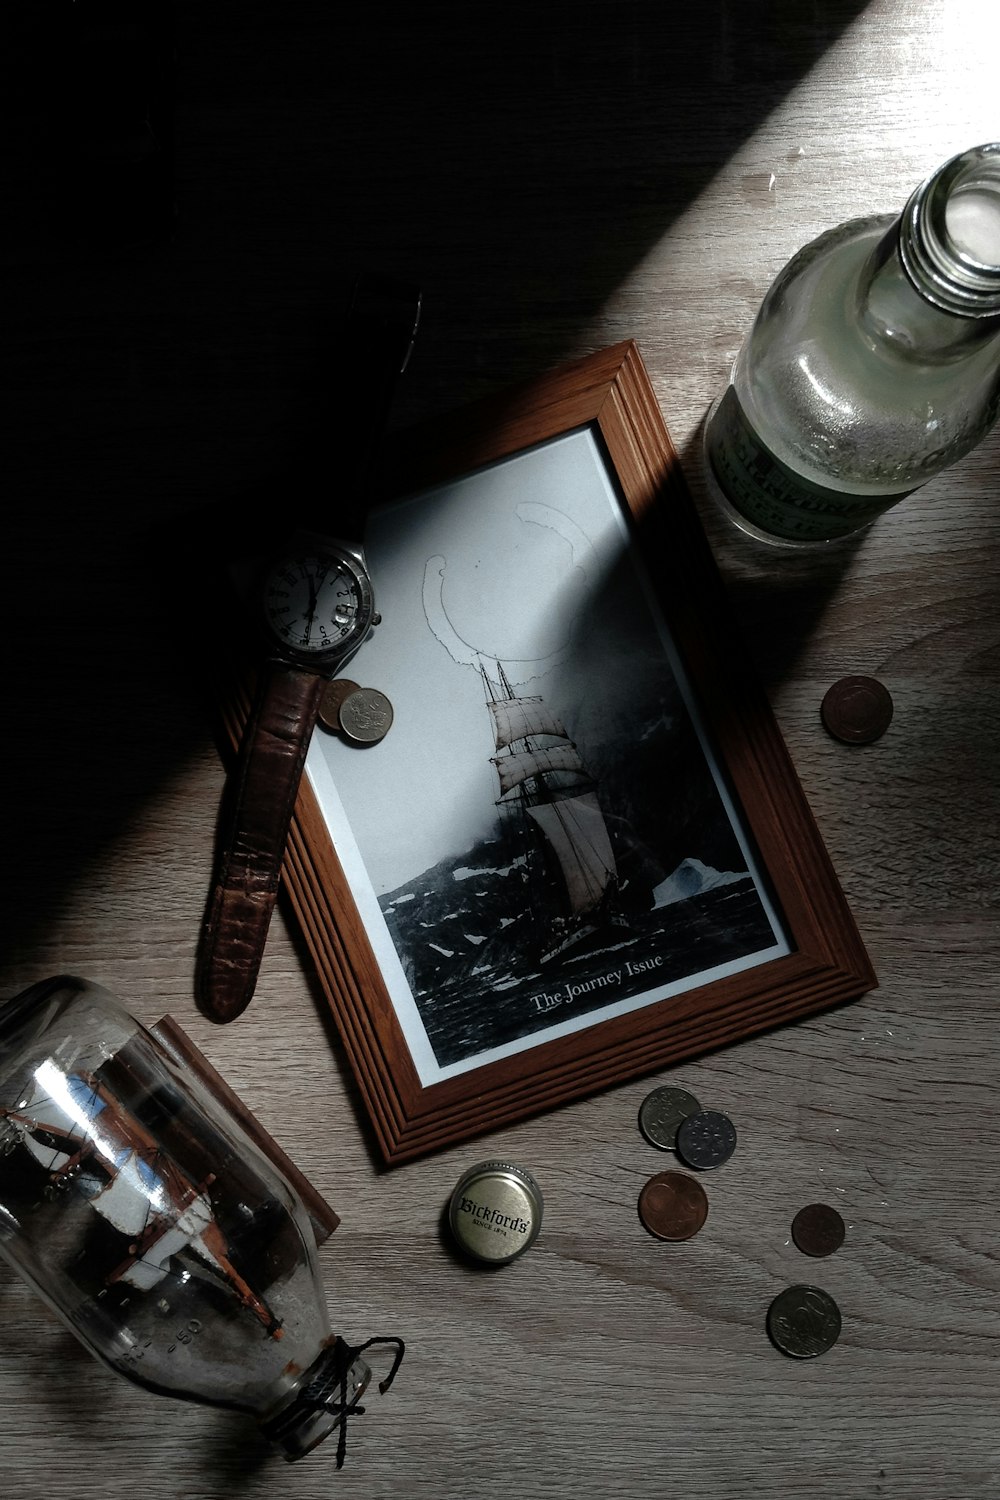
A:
79,1133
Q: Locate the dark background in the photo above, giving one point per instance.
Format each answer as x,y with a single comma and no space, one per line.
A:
188,191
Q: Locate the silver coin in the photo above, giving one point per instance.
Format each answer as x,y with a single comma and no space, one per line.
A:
365,716
663,1112
803,1321
706,1139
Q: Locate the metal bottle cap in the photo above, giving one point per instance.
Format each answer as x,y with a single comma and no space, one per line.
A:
496,1211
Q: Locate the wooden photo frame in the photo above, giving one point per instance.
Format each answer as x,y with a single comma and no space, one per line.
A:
581,853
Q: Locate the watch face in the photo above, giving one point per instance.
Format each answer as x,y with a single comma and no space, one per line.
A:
317,604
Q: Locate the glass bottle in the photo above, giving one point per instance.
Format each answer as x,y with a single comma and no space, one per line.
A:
134,1204
873,364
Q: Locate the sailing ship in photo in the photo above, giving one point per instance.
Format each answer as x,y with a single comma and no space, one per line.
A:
609,869
544,783
566,907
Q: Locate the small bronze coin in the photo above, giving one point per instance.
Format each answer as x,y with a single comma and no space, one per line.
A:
706,1139
333,696
662,1112
857,710
803,1321
365,716
818,1229
673,1206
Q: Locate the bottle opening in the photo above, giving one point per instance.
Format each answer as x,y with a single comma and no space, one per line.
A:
329,1392
949,235
972,219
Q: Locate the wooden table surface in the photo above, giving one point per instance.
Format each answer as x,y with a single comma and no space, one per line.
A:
558,178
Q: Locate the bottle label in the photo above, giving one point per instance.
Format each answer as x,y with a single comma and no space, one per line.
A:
772,496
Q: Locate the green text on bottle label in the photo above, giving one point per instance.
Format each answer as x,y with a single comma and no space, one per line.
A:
772,496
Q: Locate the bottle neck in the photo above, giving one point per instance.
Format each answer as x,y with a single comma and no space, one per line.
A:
949,235
327,1392
932,283
897,314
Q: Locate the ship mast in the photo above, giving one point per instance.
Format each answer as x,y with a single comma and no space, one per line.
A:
540,770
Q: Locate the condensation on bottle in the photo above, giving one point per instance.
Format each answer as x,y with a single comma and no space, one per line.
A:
872,365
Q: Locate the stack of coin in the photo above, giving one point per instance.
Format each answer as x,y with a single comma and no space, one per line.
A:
672,1205
673,1120
360,715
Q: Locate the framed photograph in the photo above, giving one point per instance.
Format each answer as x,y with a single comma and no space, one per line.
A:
581,853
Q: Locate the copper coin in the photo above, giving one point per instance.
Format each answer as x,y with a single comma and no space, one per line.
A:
857,710
365,716
673,1206
706,1139
803,1321
662,1111
333,696
818,1229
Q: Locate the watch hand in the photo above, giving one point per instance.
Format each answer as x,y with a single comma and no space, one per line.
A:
313,586
320,579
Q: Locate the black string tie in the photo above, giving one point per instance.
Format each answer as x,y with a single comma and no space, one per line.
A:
346,1410
322,1393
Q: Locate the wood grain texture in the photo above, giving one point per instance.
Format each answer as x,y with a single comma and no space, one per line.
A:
559,178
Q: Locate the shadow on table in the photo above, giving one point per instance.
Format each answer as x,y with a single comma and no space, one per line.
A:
518,163
778,595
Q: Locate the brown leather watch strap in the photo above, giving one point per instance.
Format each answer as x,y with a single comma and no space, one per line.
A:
266,782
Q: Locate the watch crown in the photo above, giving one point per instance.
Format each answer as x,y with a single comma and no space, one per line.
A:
376,619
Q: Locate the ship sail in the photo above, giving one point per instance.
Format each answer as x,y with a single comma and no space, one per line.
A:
131,1194
553,788
576,829
522,765
521,719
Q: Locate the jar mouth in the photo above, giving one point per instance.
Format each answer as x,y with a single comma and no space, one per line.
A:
949,234
330,1389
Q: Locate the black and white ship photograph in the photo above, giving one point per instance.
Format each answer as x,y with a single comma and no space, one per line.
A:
544,838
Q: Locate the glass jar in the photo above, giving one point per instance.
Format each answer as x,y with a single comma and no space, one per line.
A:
873,364
133,1202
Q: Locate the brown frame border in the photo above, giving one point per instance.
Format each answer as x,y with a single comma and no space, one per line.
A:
610,391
